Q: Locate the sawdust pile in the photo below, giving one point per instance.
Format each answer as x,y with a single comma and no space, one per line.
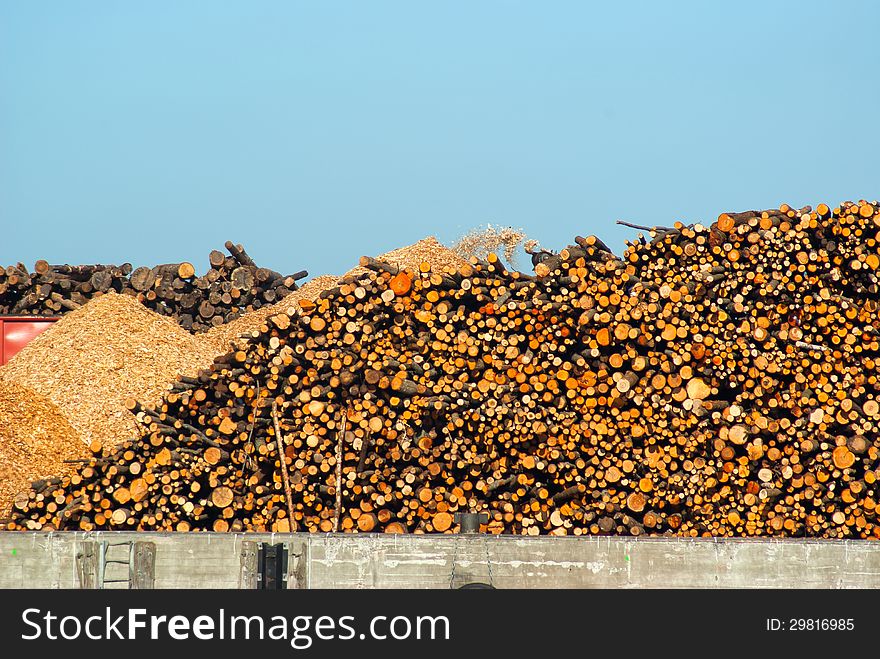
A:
428,250
94,358
35,439
481,242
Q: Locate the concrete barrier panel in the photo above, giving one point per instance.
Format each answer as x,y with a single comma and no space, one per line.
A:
228,560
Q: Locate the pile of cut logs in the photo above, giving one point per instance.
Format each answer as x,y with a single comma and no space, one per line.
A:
715,381
232,286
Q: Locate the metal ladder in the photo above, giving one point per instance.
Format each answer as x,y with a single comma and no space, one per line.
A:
105,561
102,564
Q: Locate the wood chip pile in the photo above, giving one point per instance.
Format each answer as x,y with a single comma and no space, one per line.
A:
427,250
35,439
95,358
713,381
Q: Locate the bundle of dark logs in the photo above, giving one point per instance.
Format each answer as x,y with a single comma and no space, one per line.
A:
715,380
233,285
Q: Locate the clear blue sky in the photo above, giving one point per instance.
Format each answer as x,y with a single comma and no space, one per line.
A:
314,132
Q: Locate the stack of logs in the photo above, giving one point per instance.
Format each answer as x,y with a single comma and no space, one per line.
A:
714,381
233,285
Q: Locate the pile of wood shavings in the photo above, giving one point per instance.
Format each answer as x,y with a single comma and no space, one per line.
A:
94,358
35,439
428,250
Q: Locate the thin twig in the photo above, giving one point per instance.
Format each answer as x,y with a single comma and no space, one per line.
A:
642,227
340,438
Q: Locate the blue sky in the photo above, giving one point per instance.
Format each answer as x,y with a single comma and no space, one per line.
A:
314,132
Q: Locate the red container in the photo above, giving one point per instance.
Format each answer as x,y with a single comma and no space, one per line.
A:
17,331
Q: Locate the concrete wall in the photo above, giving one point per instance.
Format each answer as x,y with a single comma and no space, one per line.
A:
207,560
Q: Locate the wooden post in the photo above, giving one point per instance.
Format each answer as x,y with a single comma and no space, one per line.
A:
282,459
339,441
